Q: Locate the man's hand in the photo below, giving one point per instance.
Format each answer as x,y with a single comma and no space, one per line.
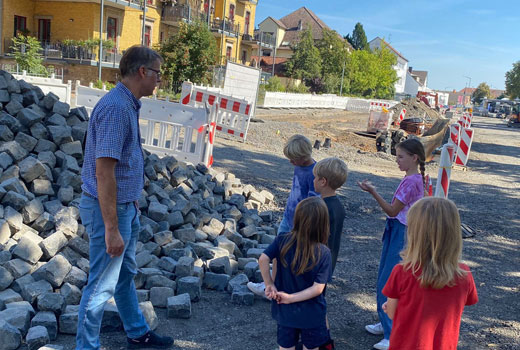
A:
114,242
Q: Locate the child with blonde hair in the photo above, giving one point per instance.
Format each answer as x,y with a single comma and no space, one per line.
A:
410,158
298,150
329,175
304,268
428,290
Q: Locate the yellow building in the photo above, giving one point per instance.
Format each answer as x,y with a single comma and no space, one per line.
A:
65,27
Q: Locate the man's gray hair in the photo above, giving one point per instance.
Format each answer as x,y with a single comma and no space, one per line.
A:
136,57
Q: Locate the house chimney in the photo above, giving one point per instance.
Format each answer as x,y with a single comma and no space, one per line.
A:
410,69
300,24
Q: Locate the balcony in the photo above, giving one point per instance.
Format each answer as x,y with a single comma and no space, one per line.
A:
226,27
260,39
174,14
121,4
252,2
74,54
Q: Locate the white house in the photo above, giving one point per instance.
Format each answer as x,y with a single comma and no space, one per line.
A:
401,67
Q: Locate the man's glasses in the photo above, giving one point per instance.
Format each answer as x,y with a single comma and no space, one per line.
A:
158,72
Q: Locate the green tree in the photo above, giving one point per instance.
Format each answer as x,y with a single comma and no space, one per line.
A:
305,62
274,84
371,74
333,52
189,53
358,40
480,92
27,54
513,81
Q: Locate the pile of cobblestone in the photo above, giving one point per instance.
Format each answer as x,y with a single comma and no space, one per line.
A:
415,108
199,228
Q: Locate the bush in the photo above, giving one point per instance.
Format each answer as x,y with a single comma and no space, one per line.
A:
172,96
99,85
274,84
300,89
27,54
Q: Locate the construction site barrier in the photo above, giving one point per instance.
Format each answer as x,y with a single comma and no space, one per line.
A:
464,147
233,115
185,132
445,164
379,121
51,84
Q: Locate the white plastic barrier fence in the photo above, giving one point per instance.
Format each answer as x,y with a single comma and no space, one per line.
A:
233,114
185,132
445,164
466,138
377,105
51,84
358,105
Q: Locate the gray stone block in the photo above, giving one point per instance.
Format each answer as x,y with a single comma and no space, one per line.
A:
71,294
163,237
254,253
159,296
69,322
10,336
22,281
51,347
18,317
166,263
31,291
143,295
179,306
149,314
5,231
185,234
214,228
53,271
22,304
223,242
18,267
61,108
37,337
14,149
28,117
241,295
239,280
6,278
42,187
159,281
45,222
66,194
76,277
111,321
190,285
39,131
48,320
215,281
248,231
32,211
250,269
53,244
220,265
60,134
15,200
5,160
184,266
26,141
157,211
9,296
80,246
44,145
175,219
27,250
13,107
6,134
143,258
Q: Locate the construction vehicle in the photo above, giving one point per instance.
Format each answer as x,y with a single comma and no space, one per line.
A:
514,118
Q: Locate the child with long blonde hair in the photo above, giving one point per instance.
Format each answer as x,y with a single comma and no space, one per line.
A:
410,158
428,290
303,270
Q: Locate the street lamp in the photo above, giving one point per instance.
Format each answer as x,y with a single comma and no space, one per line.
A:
467,86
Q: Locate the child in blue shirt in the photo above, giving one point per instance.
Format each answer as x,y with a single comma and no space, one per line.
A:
298,150
304,268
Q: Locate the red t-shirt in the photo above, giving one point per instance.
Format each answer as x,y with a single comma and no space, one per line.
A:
427,318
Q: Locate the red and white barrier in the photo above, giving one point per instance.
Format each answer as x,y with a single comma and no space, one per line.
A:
466,138
443,179
377,106
233,113
428,185
401,116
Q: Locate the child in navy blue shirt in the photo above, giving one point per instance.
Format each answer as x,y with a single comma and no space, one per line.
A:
303,270
298,150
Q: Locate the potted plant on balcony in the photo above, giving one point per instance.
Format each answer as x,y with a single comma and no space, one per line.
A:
67,49
91,45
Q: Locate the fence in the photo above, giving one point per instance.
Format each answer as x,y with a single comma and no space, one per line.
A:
51,84
292,100
167,127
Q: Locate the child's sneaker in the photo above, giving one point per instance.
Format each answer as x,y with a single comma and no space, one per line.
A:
257,288
376,329
384,344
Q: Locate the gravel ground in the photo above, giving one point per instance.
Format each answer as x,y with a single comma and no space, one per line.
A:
487,196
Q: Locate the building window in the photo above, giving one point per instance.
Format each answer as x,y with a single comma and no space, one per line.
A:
244,56
147,35
112,28
232,13
161,37
229,49
149,2
44,30
20,25
248,19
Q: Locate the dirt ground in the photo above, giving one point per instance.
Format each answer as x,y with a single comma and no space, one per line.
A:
487,195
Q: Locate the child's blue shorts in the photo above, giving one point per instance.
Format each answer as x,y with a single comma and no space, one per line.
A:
311,338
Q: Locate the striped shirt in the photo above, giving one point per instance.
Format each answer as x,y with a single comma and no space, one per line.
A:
113,132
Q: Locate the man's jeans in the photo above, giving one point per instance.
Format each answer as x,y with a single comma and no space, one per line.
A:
109,276
394,240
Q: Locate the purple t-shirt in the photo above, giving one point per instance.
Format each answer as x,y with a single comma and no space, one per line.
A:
410,190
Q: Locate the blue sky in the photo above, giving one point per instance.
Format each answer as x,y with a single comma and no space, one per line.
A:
451,39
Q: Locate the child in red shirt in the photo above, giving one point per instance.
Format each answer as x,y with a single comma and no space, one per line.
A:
428,290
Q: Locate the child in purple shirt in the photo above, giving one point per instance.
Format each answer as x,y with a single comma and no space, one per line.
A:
410,159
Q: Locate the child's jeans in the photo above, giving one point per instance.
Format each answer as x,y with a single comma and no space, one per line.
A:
393,242
284,226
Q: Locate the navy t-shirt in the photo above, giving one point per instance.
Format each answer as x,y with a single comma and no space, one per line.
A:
305,314
336,218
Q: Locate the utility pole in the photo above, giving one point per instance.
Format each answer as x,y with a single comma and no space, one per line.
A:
144,22
209,14
274,51
342,75
468,86
101,5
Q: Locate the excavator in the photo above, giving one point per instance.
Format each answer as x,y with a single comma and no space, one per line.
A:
514,118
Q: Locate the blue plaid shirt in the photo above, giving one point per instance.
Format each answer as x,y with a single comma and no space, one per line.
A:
113,132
